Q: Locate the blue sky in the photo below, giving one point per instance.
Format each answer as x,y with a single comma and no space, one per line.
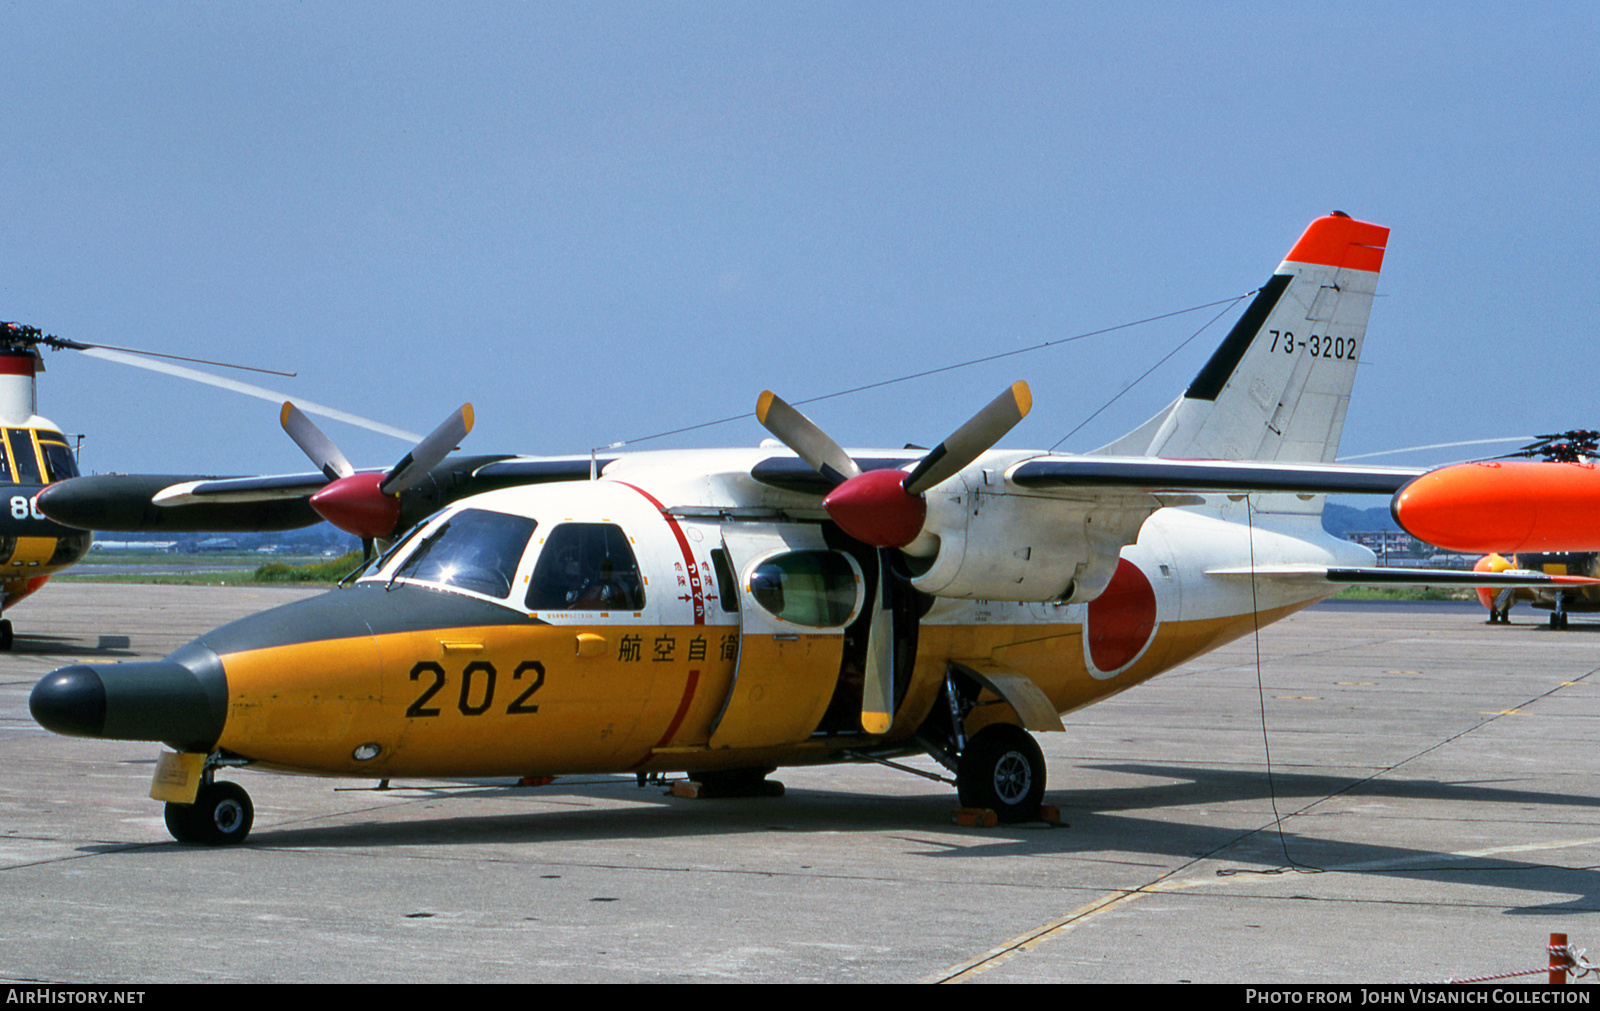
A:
601,221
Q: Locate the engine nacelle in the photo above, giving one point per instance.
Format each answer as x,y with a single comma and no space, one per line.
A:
986,540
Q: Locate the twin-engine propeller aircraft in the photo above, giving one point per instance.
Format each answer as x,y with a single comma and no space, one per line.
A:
726,612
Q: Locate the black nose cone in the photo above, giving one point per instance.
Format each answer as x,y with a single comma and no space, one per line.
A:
182,700
70,701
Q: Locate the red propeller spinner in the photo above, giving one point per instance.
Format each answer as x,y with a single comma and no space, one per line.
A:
367,504
886,508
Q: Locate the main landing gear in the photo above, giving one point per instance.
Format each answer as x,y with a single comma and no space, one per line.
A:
1558,614
5,634
221,815
1002,769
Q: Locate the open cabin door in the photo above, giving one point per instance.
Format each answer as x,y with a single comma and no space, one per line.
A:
795,598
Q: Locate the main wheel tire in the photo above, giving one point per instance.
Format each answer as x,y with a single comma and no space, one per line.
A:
1002,769
221,815
6,634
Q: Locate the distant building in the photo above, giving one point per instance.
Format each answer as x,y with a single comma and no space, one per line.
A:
162,546
1396,547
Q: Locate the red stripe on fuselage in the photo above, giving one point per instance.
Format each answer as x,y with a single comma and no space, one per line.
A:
699,614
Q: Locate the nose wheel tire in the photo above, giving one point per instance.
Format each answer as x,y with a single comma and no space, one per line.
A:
221,815
1002,769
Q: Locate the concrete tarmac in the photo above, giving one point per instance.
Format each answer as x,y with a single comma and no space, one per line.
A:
1431,811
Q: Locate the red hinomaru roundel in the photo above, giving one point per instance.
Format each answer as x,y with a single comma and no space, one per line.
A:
1121,620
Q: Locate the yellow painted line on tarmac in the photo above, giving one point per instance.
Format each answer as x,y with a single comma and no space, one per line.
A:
1001,953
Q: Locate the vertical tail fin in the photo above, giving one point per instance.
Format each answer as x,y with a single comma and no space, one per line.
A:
1278,386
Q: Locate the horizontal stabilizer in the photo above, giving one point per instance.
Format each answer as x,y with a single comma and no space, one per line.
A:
1396,576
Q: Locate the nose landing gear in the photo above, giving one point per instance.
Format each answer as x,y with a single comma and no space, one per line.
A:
221,815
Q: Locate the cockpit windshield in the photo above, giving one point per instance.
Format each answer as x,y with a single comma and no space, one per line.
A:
474,550
22,457
20,463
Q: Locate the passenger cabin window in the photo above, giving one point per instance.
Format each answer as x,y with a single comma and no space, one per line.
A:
814,588
586,567
473,550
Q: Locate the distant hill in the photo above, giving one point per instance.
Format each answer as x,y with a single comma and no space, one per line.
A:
1340,520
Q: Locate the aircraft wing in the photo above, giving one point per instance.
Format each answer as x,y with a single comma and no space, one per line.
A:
126,502
270,488
267,488
1398,576
209,503
1154,474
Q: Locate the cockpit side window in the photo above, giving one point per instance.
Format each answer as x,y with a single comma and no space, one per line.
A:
474,550
58,460
20,441
586,567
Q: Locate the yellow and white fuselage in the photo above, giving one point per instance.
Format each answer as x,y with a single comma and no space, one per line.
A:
441,667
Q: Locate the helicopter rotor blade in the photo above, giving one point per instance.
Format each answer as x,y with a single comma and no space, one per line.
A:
314,443
247,389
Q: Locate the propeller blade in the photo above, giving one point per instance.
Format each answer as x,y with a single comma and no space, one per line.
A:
809,442
971,440
877,685
314,443
414,466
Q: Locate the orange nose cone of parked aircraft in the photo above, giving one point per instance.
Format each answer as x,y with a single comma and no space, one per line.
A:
1504,506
